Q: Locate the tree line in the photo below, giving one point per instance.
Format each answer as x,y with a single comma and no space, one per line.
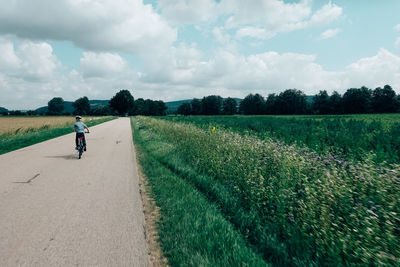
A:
122,104
209,105
288,102
292,102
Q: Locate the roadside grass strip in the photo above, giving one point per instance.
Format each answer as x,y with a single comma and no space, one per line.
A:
13,141
289,204
192,230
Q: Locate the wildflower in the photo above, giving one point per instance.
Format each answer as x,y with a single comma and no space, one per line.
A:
213,129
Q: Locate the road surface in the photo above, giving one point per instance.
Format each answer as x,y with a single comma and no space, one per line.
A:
56,210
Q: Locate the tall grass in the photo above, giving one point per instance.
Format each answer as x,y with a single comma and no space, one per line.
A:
350,136
192,231
20,138
295,206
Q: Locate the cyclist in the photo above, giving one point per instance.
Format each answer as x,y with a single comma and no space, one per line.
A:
80,131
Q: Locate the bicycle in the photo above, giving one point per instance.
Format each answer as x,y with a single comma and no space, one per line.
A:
81,146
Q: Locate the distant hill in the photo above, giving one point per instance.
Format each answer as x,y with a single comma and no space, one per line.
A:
3,110
174,105
68,107
98,102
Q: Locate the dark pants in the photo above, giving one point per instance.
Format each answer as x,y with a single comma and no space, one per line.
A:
80,135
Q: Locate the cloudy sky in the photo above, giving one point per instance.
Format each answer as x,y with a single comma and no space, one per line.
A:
180,49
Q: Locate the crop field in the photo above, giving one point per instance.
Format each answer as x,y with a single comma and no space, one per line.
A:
15,125
348,136
288,189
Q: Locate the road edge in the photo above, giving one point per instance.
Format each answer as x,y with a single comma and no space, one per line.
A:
151,215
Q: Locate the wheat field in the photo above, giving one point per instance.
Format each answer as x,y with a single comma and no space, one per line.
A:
16,125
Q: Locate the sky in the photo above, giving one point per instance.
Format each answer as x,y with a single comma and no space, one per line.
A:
181,49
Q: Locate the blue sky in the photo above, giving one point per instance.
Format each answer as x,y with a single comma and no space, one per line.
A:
179,49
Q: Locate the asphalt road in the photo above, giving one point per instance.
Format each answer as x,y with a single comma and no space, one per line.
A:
56,210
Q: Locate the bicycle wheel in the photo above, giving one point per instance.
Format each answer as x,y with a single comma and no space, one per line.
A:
80,148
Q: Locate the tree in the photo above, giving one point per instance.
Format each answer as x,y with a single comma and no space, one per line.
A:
336,103
161,108
102,111
31,113
321,104
81,106
270,104
55,106
16,113
357,100
229,106
138,107
196,106
291,101
211,105
384,100
397,103
252,105
185,109
148,107
3,111
122,102
154,108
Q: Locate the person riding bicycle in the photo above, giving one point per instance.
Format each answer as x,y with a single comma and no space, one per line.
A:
80,131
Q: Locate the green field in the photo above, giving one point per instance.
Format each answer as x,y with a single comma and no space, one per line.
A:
345,136
289,202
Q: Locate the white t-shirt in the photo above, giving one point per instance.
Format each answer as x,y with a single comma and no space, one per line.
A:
79,127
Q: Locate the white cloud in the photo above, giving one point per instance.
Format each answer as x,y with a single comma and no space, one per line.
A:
384,68
37,60
330,33
397,27
264,19
184,72
175,67
326,14
8,58
259,33
102,64
231,74
264,12
220,36
261,19
113,25
270,72
187,12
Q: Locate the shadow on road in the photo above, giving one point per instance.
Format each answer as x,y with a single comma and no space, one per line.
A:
67,157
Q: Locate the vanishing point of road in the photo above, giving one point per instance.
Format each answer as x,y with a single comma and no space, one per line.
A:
56,210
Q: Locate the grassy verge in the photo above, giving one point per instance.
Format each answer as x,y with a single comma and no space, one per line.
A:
291,205
192,229
11,142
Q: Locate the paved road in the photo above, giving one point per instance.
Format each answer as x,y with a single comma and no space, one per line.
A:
56,210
